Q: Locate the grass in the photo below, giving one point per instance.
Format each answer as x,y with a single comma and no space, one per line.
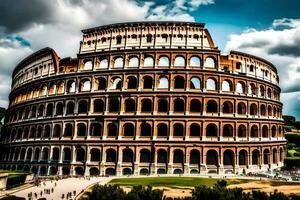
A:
12,172
171,182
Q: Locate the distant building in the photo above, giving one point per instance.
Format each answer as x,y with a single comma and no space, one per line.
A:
144,97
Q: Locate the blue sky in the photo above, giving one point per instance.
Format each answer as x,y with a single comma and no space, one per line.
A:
270,29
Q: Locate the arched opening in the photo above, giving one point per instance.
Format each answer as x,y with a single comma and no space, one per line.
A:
95,155
255,157
265,131
144,171
80,155
40,111
71,86
67,155
252,89
212,106
103,63
163,61
227,107
102,83
226,86
211,130
195,157
274,156
127,155
195,105
163,105
132,82
254,131
68,130
162,130
212,158
266,156
145,156
79,171
241,108
66,171
88,65
70,108
49,110
111,155
179,82
178,156
127,171
269,110
148,61
146,105
96,129
118,62
195,130
81,129
98,105
243,157
162,156
112,130
59,108
37,153
55,154
47,131
53,171
242,131
110,172
211,84
274,131
262,91
240,88
146,129
228,157
114,105
179,61
133,62
128,129
195,83
227,130
82,107
57,131
45,154
130,105
195,61
178,130
61,87
29,154
179,105
253,109
116,84
163,83
94,171
147,82
263,110
210,62
85,85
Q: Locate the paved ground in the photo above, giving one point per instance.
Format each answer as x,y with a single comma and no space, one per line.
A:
62,188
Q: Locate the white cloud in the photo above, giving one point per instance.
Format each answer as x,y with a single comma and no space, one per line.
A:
278,44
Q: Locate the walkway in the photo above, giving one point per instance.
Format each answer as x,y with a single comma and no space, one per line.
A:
62,187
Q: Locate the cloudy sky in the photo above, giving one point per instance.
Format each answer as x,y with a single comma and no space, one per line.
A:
267,28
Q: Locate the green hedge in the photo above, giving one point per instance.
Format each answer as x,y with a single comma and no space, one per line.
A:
15,180
13,198
293,138
292,162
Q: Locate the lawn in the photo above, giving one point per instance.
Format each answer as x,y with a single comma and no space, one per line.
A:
172,182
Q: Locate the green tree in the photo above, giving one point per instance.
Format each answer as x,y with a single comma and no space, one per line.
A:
297,125
289,120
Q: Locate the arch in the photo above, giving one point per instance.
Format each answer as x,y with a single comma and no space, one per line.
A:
112,129
59,108
103,63
195,83
163,105
162,156
240,87
195,157
82,107
40,111
262,91
29,154
70,108
127,171
145,156
210,62
85,85
212,106
178,130
252,89
128,129
71,86
81,129
57,130
110,172
116,84
274,158
130,105
96,129
211,84
127,155
254,131
132,82
148,82
163,83
98,105
161,171
263,110
269,110
274,131
46,131
226,86
195,130
178,156
253,109
241,108
195,61
79,171
88,65
227,107
212,158
60,87
179,61
242,131
265,131
179,82
45,154
102,84
163,61
133,62
255,157
195,105
80,154
144,171
148,61
266,156
49,110
146,129
269,93
243,157
179,105
227,130
66,171
228,157
95,155
94,171
118,62
111,155
53,171
211,130
37,153
68,130
33,112
67,155
146,105
114,105
55,154
162,130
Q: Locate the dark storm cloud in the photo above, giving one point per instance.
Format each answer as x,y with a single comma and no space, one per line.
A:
16,15
286,49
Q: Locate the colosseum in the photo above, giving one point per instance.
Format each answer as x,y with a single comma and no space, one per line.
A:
144,98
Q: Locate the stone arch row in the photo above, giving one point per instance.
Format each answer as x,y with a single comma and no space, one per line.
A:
163,104
192,129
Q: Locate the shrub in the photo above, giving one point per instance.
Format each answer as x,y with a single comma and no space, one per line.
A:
15,180
293,138
12,198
